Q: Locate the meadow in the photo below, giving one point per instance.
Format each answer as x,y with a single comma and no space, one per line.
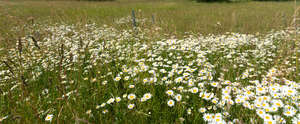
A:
174,16
183,62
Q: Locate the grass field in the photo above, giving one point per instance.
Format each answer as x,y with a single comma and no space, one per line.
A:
173,16
184,62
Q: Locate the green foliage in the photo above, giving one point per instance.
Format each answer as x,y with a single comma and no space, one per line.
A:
273,0
213,0
97,0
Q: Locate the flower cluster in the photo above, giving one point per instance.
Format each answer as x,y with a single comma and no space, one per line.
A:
231,78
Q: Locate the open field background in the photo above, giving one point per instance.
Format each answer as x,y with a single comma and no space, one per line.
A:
173,16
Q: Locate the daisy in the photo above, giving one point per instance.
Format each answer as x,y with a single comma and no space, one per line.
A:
260,90
179,79
131,106
214,84
131,96
117,78
194,90
147,96
274,108
267,117
178,97
102,105
171,103
215,101
118,99
277,103
104,111
226,97
126,78
207,117
111,100
49,117
269,122
143,99
227,82
289,113
202,110
260,113
296,120
170,92
131,86
217,120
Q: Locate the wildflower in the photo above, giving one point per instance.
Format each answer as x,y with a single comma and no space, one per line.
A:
88,112
269,122
104,111
277,103
117,78
103,104
226,97
111,100
227,82
143,99
274,108
289,113
168,82
145,80
164,78
104,82
131,106
181,119
215,101
260,90
214,84
3,118
267,117
260,113
131,96
178,97
190,83
217,120
147,96
225,92
178,80
49,117
118,99
171,103
274,89
290,91
94,80
202,110
296,120
207,117
194,90
131,86
170,92
126,78
180,88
